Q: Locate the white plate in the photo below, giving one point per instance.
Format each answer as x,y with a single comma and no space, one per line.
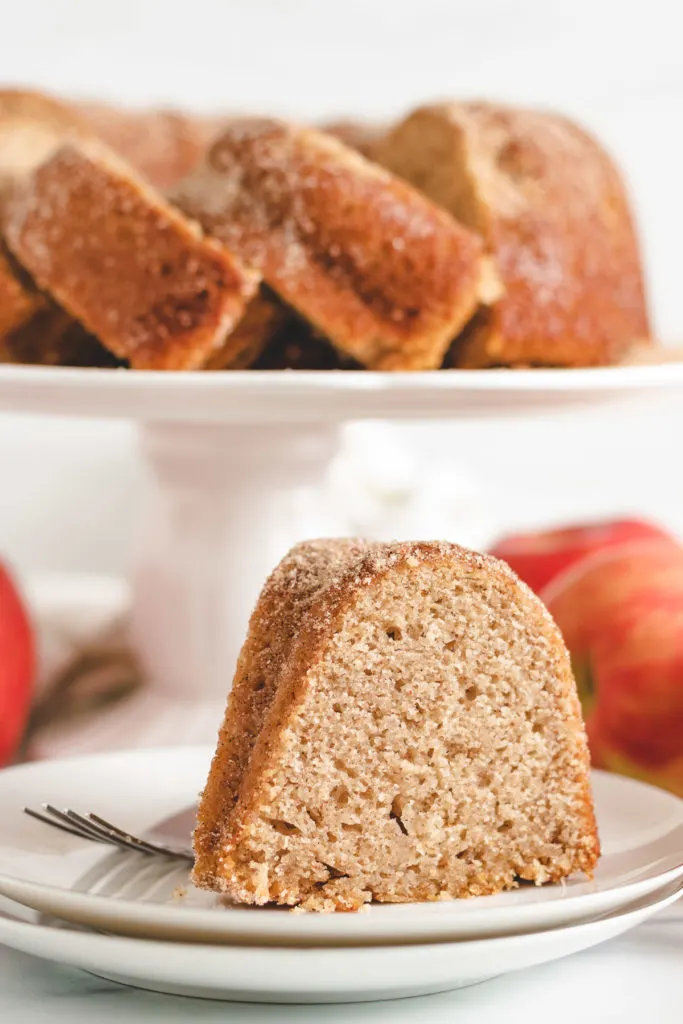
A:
641,829
309,396
286,975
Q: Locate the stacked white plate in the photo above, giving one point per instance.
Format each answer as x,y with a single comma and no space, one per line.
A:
138,921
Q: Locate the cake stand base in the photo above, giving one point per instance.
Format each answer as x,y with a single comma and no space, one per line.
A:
225,504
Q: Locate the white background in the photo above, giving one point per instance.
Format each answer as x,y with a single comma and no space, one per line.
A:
69,491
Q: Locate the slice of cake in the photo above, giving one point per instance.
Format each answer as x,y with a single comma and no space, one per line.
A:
135,272
555,216
371,263
403,725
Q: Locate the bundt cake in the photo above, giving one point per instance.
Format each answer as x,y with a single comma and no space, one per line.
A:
373,265
470,235
403,725
555,217
130,268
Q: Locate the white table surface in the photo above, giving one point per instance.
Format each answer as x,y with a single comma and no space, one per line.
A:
635,979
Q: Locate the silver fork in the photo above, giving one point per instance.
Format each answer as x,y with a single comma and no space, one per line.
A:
99,830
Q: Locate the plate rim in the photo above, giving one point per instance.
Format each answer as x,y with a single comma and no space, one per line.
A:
472,960
324,396
665,895
269,924
666,374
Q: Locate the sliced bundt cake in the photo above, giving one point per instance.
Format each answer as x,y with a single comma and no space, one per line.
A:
403,726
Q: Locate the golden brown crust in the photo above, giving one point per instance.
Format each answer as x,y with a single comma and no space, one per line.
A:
300,608
553,210
286,597
131,269
371,263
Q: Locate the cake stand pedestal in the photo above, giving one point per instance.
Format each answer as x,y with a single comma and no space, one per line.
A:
226,503
236,462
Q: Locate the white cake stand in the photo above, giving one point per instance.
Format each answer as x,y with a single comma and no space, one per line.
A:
236,460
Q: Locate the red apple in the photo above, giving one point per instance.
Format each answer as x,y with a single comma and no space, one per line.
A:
538,557
621,613
17,664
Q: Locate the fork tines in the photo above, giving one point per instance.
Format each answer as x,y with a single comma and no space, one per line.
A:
99,830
